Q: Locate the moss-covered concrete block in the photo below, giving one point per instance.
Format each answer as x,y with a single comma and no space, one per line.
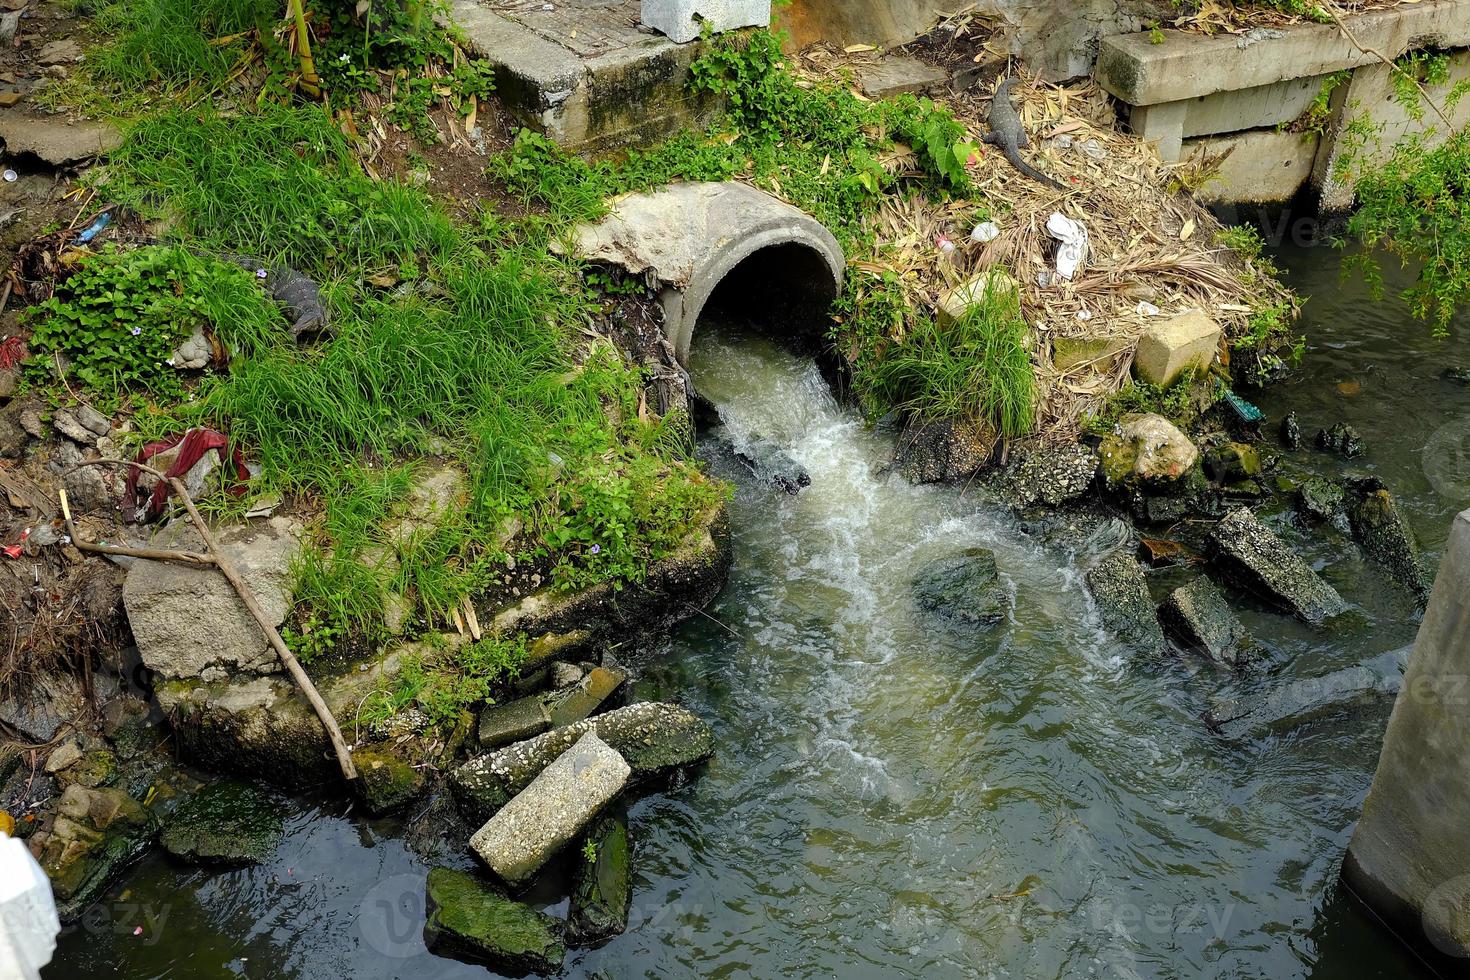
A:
1173,348
602,891
469,918
227,823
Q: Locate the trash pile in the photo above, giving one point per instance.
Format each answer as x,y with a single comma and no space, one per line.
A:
1122,244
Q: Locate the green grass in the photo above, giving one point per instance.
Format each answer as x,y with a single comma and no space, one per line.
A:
470,352
977,368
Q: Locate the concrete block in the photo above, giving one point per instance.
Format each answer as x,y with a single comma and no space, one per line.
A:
1410,854
1260,107
1070,352
683,20
1187,66
552,811
1162,125
1260,166
586,697
965,297
897,74
1370,92
515,721
1171,348
584,74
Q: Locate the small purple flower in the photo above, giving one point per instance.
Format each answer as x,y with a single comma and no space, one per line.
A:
596,549
260,273
137,330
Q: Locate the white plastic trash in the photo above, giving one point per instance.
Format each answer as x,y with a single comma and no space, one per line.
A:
985,231
28,922
1072,251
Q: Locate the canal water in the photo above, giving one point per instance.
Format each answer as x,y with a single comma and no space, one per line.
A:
893,799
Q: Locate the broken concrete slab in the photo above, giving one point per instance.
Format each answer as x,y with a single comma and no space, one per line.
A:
1308,699
57,142
586,696
1261,166
468,918
656,739
989,286
515,721
684,20
1121,593
190,623
1174,348
1147,450
552,810
687,237
603,886
1380,528
897,75
1200,617
1255,558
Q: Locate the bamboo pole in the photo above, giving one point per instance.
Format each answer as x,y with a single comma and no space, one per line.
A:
219,560
311,82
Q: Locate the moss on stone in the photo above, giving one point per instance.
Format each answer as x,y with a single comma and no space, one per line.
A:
95,768
385,781
604,886
228,822
469,918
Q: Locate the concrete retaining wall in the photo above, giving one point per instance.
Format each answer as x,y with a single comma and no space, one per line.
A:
1199,95
1057,38
1410,854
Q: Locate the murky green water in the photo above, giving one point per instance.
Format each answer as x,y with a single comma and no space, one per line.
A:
892,800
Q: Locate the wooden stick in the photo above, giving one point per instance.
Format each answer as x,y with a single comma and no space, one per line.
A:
217,558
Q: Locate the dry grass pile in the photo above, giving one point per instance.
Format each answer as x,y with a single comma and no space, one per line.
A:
1151,246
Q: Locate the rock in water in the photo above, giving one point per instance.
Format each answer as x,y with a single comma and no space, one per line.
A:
1148,450
552,811
1381,530
773,464
1320,499
1121,592
603,888
586,697
1200,617
1251,554
228,823
386,781
470,919
97,833
1342,439
1459,375
1049,476
939,452
963,588
656,739
1291,431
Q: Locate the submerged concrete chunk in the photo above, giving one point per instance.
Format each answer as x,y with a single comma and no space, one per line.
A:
656,739
1308,699
1172,348
603,889
550,812
1258,560
1121,592
1199,616
470,919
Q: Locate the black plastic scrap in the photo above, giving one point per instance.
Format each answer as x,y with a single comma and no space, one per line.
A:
298,296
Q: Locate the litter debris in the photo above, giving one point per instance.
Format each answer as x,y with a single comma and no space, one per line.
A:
95,228
11,176
18,549
1073,249
1145,308
1244,410
944,243
192,447
985,231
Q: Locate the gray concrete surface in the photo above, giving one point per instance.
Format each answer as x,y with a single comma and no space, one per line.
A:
688,237
1410,854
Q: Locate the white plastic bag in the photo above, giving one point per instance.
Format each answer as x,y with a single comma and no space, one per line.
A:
28,922
1072,251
